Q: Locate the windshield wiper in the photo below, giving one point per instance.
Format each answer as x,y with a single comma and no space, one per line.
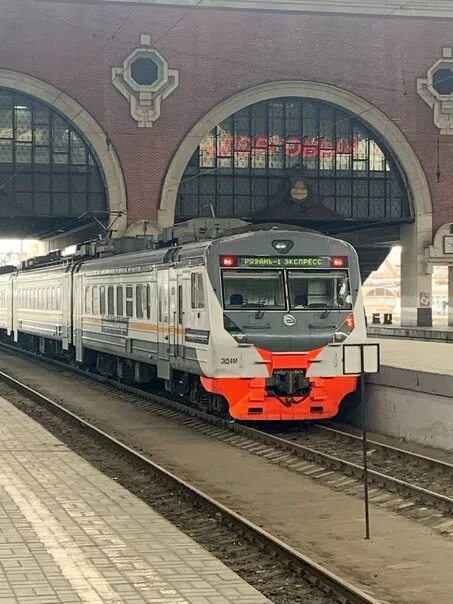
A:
260,313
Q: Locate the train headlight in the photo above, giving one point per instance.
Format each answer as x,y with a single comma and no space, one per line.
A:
338,261
339,336
228,261
241,338
283,246
350,323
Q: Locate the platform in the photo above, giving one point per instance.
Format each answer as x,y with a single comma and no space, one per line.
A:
434,334
414,355
70,534
412,396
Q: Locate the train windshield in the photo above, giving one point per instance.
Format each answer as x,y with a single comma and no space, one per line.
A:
328,290
253,289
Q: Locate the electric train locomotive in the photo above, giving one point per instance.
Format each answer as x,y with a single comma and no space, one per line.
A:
250,324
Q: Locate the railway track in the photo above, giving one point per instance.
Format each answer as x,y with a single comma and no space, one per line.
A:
424,479
417,486
281,570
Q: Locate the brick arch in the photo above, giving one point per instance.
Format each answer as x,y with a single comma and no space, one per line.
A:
368,113
90,130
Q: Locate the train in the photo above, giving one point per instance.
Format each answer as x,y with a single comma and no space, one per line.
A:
251,323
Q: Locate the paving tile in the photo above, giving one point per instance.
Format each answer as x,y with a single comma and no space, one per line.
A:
69,534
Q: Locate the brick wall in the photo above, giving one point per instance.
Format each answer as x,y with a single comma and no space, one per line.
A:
218,53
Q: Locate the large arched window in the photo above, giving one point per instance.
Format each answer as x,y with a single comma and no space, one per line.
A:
46,167
240,167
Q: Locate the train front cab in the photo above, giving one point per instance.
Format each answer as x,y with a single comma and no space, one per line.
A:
286,317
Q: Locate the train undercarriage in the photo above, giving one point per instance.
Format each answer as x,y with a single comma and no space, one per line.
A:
287,395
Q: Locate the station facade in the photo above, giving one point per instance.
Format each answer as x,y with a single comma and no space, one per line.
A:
137,115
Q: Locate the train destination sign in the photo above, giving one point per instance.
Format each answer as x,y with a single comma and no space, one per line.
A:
290,261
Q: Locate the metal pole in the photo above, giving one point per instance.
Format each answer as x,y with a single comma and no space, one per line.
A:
364,444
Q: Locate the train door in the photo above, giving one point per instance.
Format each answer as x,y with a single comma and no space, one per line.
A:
180,314
64,302
10,306
163,324
81,300
15,308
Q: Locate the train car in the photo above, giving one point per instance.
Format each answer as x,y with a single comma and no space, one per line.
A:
6,315
42,307
250,325
134,313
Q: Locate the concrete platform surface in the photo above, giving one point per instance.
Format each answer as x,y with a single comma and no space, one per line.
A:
70,534
428,357
437,333
412,396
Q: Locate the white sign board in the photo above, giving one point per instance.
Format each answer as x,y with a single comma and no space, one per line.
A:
360,358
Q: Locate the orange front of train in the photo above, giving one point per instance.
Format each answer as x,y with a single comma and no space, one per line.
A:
282,304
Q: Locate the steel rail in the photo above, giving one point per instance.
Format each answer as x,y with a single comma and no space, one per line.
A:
387,448
331,462
344,590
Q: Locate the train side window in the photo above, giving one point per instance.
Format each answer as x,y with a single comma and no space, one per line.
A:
88,300
197,290
102,300
139,301
129,301
58,298
54,298
119,301
95,299
110,301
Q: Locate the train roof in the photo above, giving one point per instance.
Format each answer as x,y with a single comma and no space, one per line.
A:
195,250
191,252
